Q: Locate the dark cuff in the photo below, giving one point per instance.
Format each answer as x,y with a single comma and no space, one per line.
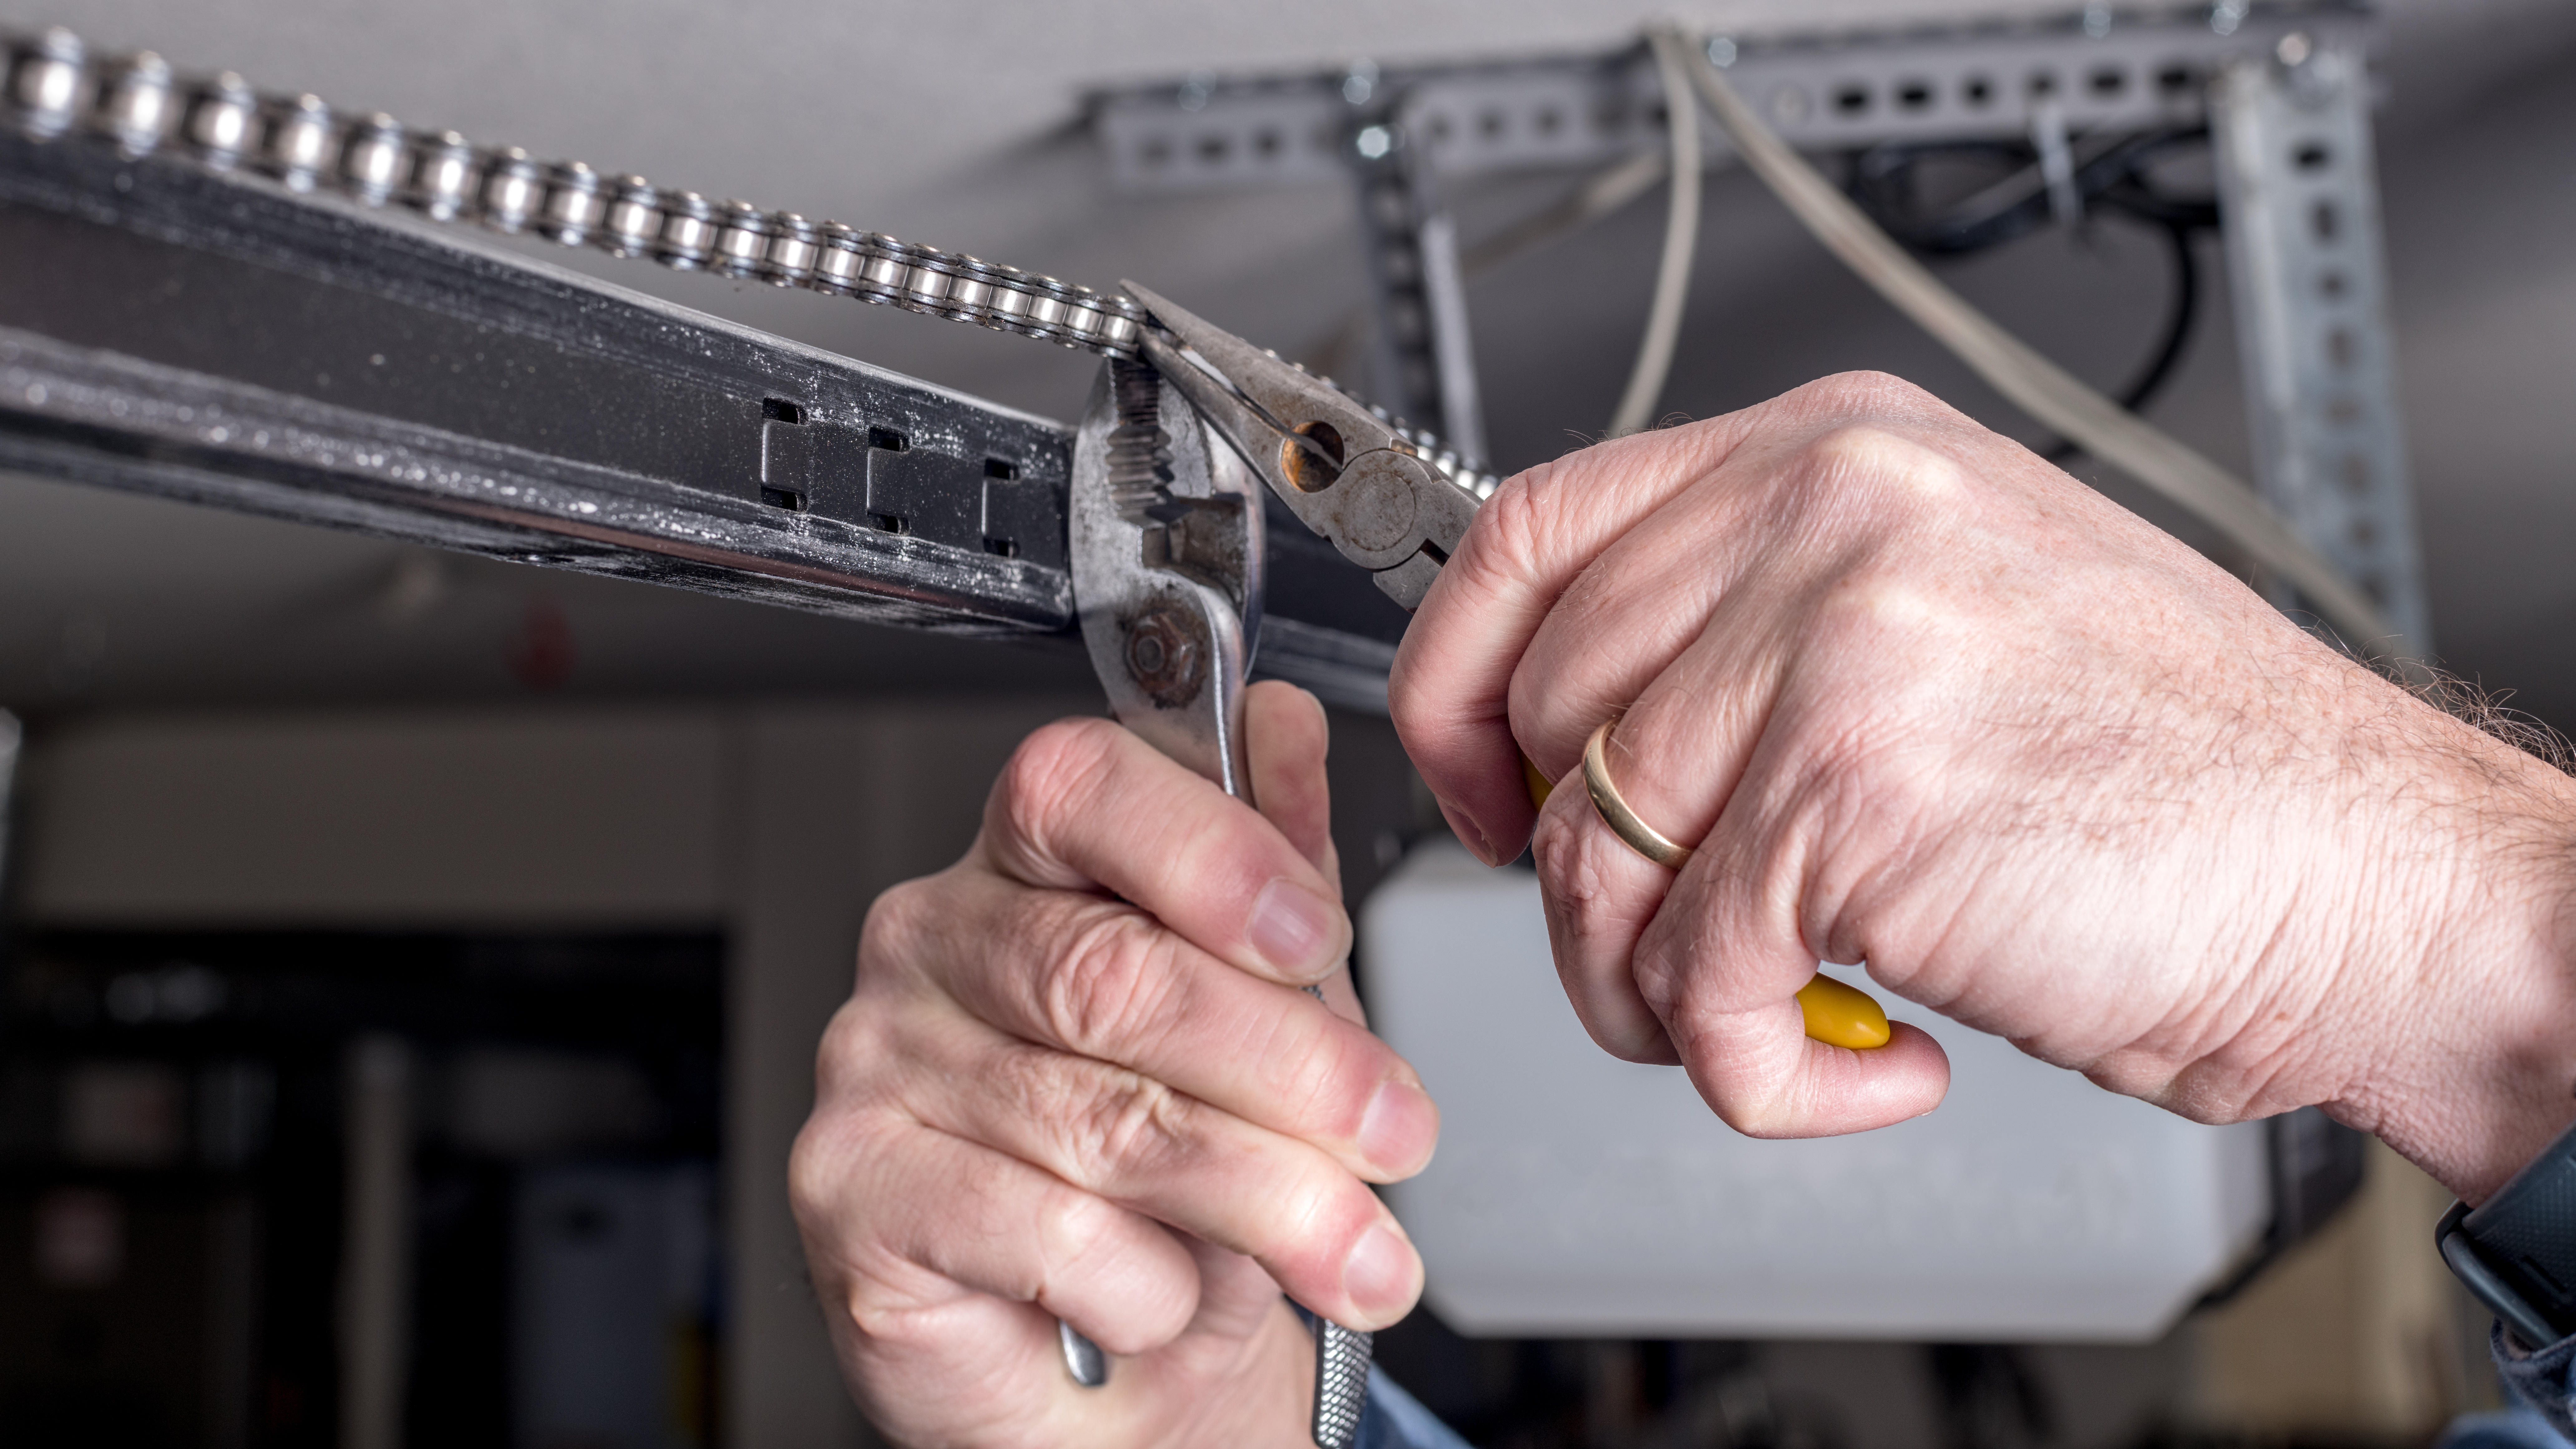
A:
2538,1378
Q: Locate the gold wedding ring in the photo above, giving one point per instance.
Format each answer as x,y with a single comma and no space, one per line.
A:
1833,1013
1644,839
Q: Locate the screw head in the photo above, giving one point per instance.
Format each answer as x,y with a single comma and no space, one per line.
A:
1166,655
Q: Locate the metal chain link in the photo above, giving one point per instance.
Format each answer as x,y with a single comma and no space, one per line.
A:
54,89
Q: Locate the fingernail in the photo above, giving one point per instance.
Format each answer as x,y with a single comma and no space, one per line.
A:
1296,930
1399,1129
1469,834
1378,1275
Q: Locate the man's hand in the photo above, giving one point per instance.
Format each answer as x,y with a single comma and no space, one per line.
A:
1921,699
1079,1078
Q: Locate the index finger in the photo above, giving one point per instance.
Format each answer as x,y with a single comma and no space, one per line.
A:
1085,805
1450,692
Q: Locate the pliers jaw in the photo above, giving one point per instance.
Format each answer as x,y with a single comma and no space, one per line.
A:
1343,471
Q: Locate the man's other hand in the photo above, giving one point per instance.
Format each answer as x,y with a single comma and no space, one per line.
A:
1079,1078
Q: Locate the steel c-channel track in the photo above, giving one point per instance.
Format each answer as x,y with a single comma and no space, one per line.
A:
169,330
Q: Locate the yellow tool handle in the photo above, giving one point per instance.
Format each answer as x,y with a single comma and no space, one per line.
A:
1840,1015
1837,1015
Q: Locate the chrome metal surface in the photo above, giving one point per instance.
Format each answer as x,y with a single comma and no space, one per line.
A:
442,177
296,143
1356,480
211,338
136,104
1166,530
45,83
222,120
1342,1357
1164,533
1083,1359
2299,193
54,89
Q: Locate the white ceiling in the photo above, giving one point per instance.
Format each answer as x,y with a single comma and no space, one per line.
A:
953,124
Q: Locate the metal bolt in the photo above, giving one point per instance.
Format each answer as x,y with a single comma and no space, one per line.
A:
1165,657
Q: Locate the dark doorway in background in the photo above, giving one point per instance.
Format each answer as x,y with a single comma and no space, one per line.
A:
355,1189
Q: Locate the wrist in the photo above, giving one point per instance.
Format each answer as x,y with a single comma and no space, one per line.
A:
2468,1044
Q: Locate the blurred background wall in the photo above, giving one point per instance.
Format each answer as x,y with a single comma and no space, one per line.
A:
323,837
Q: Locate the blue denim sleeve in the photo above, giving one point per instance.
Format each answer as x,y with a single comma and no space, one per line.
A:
1394,1419
2542,1382
2515,1428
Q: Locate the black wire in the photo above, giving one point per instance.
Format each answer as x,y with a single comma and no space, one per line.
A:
2179,317
1884,181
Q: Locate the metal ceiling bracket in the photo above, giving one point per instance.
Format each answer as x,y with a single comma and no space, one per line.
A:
2115,70
2301,202
2284,88
1428,357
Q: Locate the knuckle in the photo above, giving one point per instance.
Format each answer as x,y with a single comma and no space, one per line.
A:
1124,1132
1314,1083
1760,1119
1513,526
1670,985
1321,1089
890,936
1877,608
1594,911
1077,1229
877,1313
858,1113
852,1043
820,1165
1106,983
1887,631
882,1301
1884,465
1867,391
1057,764
1571,867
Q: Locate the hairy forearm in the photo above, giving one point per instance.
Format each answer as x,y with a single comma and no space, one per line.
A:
2476,1010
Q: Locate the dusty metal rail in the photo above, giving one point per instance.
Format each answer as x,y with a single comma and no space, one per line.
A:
169,330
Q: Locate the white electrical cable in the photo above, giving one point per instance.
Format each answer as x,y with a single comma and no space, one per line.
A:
1681,238
1606,191
2036,385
